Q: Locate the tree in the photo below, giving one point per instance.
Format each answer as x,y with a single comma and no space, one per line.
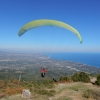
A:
84,77
75,77
98,79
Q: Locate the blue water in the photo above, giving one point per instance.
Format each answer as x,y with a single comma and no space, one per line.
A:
91,59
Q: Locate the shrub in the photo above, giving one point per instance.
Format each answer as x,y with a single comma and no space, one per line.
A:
98,80
87,94
84,77
75,77
64,78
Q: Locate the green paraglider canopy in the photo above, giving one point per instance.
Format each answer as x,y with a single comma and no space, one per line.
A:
46,22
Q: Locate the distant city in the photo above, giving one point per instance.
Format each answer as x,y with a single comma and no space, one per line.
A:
14,64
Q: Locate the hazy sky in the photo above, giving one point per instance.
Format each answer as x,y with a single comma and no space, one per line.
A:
84,15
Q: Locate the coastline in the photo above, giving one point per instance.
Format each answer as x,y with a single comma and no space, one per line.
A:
91,59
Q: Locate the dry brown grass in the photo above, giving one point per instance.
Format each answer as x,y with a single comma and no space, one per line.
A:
12,91
64,91
73,91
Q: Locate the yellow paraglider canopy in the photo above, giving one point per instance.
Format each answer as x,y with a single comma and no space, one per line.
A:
46,22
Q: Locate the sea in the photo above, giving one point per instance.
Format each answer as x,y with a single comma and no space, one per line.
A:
91,59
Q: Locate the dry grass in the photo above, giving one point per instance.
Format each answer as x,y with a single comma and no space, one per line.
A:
64,91
73,91
13,97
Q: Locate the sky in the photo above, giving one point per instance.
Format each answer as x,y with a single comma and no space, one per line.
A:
83,15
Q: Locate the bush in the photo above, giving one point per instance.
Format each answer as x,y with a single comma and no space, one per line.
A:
75,77
98,80
87,94
64,78
84,77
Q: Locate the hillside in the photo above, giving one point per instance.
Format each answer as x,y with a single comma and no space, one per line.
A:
66,91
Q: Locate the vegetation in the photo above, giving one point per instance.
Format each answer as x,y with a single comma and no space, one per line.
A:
90,93
98,80
75,77
82,76
26,67
65,79
47,87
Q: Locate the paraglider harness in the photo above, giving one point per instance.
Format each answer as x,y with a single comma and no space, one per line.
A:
43,71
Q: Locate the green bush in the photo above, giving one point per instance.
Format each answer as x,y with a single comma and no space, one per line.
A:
75,77
98,80
84,77
64,78
48,83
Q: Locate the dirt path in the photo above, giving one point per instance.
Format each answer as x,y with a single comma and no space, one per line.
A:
72,91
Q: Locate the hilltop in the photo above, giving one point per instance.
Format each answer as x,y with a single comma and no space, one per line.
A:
66,91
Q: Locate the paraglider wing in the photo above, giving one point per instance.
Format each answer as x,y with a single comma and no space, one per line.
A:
46,70
46,22
43,70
